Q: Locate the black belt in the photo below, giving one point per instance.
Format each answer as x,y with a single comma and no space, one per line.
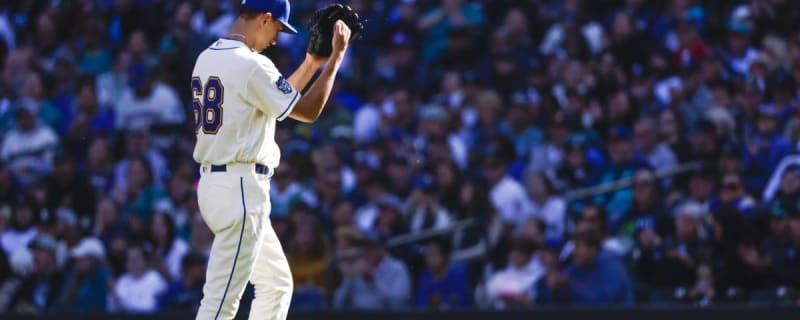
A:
260,168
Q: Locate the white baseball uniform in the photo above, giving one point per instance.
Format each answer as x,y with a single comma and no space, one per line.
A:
238,97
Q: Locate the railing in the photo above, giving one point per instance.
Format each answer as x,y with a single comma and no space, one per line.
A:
627,182
569,196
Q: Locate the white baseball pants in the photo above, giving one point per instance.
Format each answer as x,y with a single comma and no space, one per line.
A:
235,206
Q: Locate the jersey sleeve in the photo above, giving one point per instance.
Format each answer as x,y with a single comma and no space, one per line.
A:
270,92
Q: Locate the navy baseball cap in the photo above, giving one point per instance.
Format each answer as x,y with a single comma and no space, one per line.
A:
279,9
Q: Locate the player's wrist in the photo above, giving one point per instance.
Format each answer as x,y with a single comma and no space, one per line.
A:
315,61
337,56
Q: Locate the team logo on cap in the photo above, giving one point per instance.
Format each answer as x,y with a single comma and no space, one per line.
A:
283,85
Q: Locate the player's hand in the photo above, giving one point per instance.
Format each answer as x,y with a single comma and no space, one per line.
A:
341,36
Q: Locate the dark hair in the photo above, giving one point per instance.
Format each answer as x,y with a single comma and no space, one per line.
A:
443,244
148,168
342,201
143,248
522,245
602,215
170,226
548,184
320,245
193,259
539,224
248,14
32,205
591,238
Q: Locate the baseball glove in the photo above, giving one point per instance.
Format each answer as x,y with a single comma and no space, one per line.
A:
320,28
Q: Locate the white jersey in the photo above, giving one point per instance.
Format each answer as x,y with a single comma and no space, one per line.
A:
238,96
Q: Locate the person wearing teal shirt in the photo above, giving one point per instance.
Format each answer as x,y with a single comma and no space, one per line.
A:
86,284
141,193
437,23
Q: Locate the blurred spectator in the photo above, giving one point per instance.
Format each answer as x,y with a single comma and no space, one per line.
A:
546,205
186,292
35,96
670,128
624,164
514,285
373,279
507,194
390,221
443,284
140,194
739,54
112,84
69,189
667,263
701,186
38,292
201,235
593,278
137,144
180,43
647,209
211,20
181,204
439,21
147,102
765,149
785,180
138,288
308,255
285,191
29,147
343,214
782,244
732,193
87,283
593,217
109,225
100,166
658,155
22,229
577,170
92,119
478,241
168,248
423,209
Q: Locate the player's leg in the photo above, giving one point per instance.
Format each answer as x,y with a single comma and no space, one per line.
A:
272,279
237,228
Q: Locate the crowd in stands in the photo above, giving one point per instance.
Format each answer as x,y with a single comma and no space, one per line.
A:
486,114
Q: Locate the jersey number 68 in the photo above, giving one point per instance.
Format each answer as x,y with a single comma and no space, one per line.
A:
208,113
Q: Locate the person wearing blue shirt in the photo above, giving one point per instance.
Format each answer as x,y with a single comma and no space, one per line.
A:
186,292
764,149
443,284
593,279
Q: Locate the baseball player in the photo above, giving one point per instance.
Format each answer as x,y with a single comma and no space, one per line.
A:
239,95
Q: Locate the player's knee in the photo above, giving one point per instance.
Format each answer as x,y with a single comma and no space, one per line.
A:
279,282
